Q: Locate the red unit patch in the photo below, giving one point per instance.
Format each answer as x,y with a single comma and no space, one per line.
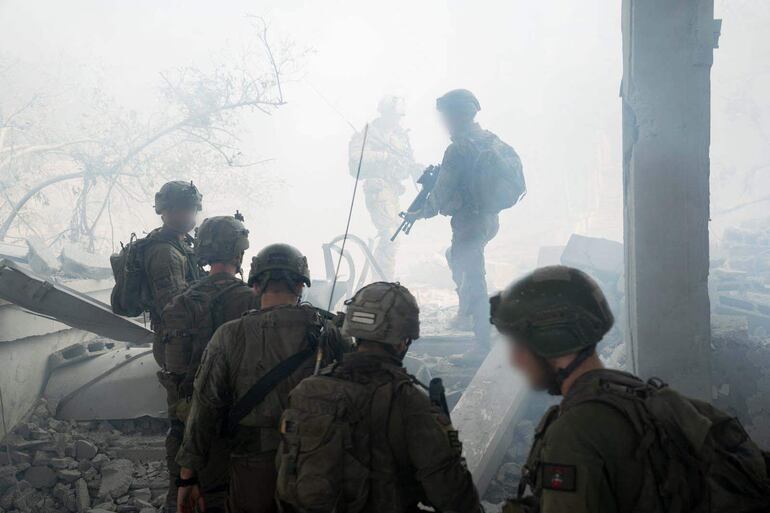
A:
562,478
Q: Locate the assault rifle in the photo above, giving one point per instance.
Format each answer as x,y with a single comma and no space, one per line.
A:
427,181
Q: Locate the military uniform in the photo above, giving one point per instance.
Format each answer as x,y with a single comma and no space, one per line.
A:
239,354
388,160
583,458
471,229
398,450
170,266
417,456
616,443
228,298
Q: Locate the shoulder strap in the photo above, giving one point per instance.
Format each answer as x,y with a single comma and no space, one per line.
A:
264,385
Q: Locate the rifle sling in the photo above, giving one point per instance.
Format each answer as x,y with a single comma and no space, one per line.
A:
257,393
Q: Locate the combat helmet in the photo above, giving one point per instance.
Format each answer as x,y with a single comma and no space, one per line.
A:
278,261
178,194
391,103
382,312
458,100
220,239
554,310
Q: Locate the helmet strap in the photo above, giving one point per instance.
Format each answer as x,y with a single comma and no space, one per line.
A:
559,376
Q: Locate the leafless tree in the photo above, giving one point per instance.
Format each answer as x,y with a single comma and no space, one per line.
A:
121,156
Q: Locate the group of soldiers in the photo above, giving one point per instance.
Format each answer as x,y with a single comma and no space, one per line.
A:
387,160
276,405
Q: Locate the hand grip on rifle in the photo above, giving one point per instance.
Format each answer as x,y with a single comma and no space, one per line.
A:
413,213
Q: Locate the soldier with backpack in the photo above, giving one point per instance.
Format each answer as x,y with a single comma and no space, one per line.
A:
615,443
150,271
479,176
189,321
243,382
362,436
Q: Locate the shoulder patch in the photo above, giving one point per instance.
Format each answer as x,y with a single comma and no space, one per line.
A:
562,478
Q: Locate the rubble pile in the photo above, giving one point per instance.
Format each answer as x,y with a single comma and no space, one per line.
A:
53,466
740,277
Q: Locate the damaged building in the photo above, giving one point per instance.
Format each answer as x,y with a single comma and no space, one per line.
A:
84,416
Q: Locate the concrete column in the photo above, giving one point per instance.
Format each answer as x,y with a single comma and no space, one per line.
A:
667,56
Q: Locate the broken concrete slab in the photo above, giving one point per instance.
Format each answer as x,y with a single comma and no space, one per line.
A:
45,297
84,450
82,496
41,259
486,413
40,477
78,263
597,256
117,476
83,390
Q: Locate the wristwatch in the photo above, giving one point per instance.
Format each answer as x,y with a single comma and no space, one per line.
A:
184,483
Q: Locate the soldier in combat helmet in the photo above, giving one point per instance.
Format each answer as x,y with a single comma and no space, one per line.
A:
244,379
615,443
169,267
189,321
387,161
471,190
386,447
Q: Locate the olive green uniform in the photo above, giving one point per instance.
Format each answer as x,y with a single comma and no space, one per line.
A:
239,354
471,229
583,458
170,266
388,160
416,455
229,299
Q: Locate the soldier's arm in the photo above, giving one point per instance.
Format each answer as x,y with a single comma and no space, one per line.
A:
445,190
435,454
211,398
166,276
574,468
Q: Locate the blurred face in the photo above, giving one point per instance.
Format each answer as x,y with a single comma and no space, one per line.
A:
181,220
455,121
528,363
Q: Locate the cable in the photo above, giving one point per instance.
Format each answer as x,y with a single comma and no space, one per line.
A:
319,354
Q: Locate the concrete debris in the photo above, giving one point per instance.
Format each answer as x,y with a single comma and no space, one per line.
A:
77,263
116,478
40,477
84,450
40,258
602,257
51,466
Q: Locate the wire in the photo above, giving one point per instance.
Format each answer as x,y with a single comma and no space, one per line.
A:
350,217
319,355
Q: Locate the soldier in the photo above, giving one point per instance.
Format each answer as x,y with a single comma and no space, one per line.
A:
459,193
615,443
189,321
169,266
397,448
245,377
387,162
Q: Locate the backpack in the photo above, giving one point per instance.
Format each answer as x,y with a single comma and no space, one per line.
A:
324,461
130,295
700,459
497,178
189,321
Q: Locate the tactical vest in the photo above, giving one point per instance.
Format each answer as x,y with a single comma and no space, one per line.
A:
335,453
697,458
192,317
